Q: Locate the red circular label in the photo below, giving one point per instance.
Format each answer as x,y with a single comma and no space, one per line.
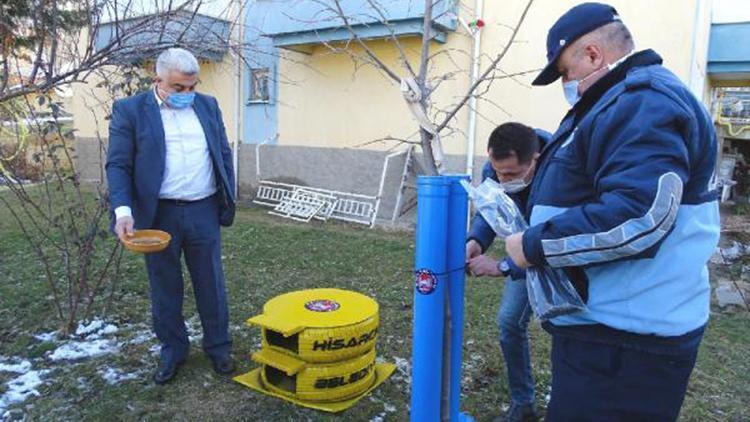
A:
425,281
322,305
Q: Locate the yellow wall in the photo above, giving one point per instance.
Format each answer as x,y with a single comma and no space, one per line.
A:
90,103
324,100
667,28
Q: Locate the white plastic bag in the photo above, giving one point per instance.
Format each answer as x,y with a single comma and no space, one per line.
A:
550,292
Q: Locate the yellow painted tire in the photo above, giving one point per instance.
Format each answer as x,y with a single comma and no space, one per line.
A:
327,382
319,325
325,344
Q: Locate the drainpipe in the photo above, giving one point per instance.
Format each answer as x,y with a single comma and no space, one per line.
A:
696,80
475,61
238,98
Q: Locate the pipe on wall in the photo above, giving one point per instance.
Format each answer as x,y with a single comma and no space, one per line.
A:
475,62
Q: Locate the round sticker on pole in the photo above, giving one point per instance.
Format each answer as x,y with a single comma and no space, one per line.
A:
425,281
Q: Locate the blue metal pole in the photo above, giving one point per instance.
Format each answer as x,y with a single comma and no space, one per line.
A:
458,204
429,297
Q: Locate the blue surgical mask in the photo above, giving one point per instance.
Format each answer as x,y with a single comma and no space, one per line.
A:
181,100
570,88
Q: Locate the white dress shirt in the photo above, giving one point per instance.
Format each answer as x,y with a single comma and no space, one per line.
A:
188,169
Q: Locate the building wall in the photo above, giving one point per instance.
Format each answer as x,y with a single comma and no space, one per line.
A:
329,110
90,104
327,101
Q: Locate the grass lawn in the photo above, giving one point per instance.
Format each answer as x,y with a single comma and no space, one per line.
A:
266,256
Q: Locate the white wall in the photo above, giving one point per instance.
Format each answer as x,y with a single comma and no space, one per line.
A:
132,8
726,11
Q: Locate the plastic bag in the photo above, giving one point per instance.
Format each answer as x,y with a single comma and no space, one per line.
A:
551,294
497,208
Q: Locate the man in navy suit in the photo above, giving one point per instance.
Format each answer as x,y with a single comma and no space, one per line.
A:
169,167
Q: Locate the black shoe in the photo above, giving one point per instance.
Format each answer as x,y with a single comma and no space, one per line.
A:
166,372
224,365
521,413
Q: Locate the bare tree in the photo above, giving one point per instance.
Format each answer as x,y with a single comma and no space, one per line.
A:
420,81
45,46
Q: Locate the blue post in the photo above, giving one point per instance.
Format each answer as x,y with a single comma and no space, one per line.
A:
429,297
458,204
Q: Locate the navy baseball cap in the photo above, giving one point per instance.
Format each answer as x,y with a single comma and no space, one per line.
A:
574,24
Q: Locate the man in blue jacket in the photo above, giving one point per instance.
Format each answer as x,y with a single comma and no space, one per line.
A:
512,151
169,167
624,200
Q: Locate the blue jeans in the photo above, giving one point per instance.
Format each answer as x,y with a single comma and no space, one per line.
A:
513,321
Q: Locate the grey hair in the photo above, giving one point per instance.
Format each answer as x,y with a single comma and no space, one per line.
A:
178,60
617,35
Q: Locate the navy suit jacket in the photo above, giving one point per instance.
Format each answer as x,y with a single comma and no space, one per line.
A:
135,159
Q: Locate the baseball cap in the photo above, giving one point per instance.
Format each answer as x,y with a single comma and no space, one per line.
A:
575,23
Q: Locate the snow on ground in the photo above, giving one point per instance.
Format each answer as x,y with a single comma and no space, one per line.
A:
195,334
74,350
141,337
21,367
155,349
21,388
92,343
46,337
403,369
116,376
95,329
91,339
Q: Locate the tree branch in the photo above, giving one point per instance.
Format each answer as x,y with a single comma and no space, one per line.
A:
487,71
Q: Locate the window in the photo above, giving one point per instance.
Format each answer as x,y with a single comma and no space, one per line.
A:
259,85
734,105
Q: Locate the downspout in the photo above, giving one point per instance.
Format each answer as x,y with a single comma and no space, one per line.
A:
475,62
695,79
238,105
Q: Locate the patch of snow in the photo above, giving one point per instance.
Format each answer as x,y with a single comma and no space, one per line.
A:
21,388
46,337
140,337
74,350
155,349
402,365
378,418
115,376
193,328
95,329
21,367
717,257
85,329
733,252
389,408
108,329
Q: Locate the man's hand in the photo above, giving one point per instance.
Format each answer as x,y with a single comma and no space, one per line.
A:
124,227
484,265
473,250
514,248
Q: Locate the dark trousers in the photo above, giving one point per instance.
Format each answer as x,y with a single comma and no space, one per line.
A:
603,382
194,228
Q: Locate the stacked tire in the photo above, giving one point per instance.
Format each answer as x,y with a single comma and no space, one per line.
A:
318,345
